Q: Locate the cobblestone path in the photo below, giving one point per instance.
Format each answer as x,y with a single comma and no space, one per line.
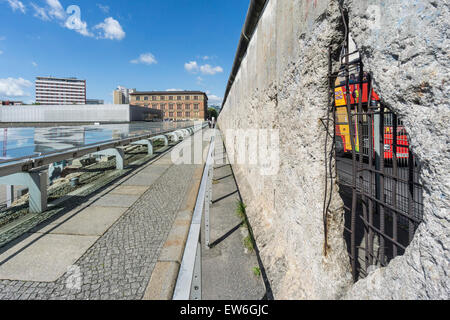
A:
120,263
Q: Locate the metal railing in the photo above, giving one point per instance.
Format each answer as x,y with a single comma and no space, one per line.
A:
32,171
376,170
25,164
189,282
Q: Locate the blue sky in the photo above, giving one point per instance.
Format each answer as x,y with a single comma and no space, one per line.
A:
142,44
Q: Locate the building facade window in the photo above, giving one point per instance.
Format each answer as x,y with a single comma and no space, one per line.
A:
138,98
162,106
187,97
146,98
170,114
195,97
171,106
188,114
170,98
188,106
179,114
179,98
195,106
179,106
153,98
155,106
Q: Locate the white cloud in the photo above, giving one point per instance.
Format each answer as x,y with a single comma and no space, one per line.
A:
34,64
17,5
207,69
213,99
1,52
174,90
111,29
74,23
191,66
56,10
40,13
104,8
2,38
11,87
213,57
71,19
145,58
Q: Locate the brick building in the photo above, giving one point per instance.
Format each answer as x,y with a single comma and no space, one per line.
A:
176,105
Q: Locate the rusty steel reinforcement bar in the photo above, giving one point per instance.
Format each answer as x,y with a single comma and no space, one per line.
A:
188,286
30,164
254,13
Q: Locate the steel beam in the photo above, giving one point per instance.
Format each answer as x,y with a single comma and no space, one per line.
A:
116,152
166,141
9,195
180,134
36,182
145,142
173,135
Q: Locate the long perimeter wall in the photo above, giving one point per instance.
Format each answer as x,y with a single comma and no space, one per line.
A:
282,85
72,113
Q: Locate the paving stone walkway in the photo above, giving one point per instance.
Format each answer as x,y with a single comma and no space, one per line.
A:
118,263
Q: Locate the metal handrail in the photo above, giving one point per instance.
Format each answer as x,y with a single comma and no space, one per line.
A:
30,163
188,286
35,156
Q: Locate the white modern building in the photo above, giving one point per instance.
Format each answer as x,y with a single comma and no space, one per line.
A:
60,91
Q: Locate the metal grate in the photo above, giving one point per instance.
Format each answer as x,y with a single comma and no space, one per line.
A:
376,171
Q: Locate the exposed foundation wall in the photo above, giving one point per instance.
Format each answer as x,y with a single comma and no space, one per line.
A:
282,84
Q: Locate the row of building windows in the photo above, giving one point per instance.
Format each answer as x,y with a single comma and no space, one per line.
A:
60,102
180,114
60,94
60,98
163,98
163,106
55,84
45,80
59,87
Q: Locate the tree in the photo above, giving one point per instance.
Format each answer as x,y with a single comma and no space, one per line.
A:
212,113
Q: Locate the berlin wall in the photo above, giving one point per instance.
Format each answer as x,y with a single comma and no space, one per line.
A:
282,85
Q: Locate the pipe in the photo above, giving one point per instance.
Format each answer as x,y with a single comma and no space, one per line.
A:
254,13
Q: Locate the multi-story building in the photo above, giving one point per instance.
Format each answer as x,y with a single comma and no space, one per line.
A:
122,95
52,91
177,105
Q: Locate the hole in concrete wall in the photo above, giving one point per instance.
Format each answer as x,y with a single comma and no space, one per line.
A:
377,174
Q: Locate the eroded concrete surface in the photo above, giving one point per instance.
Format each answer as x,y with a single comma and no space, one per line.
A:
282,84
